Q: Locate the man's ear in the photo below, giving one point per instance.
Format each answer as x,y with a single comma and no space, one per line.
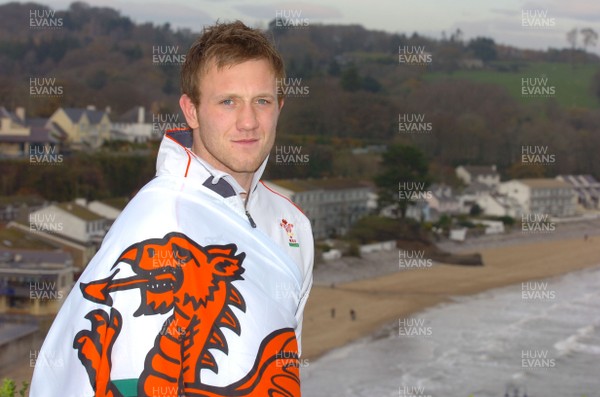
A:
281,102
190,112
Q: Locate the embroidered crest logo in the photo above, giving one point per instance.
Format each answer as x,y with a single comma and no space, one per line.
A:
289,229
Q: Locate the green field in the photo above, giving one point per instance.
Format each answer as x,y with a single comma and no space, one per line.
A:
572,85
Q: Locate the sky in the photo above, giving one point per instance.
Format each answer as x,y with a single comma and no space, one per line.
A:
512,22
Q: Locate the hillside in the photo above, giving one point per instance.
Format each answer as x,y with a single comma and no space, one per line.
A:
572,82
355,87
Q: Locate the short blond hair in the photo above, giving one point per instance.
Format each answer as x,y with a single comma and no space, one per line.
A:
226,44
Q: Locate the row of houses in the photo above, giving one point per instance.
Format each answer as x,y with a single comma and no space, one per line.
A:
77,129
332,205
556,197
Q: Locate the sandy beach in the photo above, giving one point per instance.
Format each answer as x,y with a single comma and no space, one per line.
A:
387,298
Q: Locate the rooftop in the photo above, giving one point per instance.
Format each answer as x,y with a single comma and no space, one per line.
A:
79,211
13,238
545,183
481,169
580,180
93,115
4,113
304,185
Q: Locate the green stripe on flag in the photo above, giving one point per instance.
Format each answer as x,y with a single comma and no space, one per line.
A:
127,387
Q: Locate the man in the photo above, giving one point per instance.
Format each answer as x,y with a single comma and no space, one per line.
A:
199,287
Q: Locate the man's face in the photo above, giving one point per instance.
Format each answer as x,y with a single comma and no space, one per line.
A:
234,128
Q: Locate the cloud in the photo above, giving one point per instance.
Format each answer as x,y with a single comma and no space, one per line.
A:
579,10
158,13
177,15
307,10
505,12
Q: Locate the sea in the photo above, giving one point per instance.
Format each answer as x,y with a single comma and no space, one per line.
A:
536,339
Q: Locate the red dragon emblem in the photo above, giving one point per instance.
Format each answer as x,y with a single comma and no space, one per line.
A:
195,282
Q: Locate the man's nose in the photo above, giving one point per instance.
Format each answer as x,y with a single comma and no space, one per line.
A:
247,119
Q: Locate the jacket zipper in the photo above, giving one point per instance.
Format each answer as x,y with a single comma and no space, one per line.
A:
252,223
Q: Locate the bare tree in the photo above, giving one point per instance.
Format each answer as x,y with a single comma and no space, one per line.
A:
589,37
572,39
457,36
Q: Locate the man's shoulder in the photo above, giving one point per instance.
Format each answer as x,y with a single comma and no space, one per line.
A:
277,201
152,204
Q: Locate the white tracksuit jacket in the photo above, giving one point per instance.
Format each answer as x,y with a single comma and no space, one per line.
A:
190,294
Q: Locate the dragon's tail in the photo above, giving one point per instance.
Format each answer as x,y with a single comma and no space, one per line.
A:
275,373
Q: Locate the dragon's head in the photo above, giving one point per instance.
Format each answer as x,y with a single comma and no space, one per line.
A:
170,269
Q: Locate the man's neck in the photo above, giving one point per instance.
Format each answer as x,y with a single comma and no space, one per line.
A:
244,179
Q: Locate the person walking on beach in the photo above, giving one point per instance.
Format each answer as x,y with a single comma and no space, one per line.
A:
352,314
182,298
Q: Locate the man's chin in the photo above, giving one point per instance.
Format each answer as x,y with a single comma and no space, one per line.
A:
249,167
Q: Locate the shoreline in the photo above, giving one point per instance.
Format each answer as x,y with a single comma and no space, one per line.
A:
474,346
385,299
348,269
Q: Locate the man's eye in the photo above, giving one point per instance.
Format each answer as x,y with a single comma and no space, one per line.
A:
227,102
263,101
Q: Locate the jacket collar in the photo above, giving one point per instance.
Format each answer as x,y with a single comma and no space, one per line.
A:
175,157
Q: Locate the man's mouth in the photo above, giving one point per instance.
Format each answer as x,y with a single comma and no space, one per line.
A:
247,141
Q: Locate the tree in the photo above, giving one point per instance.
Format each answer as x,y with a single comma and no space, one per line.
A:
572,38
350,79
406,171
590,37
8,388
521,171
475,210
334,68
457,36
483,48
371,84
307,66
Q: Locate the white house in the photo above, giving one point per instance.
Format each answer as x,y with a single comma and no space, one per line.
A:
70,220
471,194
134,126
442,199
542,196
493,204
487,175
